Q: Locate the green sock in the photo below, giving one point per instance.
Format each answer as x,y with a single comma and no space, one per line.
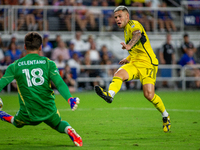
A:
61,126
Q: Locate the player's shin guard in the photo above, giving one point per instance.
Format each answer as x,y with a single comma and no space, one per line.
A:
157,102
115,85
61,126
6,117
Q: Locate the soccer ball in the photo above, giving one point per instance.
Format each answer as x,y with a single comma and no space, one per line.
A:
1,104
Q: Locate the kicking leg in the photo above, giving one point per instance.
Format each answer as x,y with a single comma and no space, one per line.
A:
114,86
149,93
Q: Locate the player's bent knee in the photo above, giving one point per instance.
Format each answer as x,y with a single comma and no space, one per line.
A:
148,95
149,91
118,74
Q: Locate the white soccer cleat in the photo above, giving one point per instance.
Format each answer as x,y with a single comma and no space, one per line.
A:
74,136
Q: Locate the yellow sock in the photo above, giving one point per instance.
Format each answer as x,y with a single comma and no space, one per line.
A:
157,102
115,85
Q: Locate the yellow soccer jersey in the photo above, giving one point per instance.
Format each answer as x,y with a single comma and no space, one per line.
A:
142,50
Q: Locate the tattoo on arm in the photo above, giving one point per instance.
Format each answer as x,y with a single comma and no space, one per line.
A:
136,36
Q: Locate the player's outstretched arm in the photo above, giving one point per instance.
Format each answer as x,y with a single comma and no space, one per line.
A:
7,77
62,87
136,37
64,91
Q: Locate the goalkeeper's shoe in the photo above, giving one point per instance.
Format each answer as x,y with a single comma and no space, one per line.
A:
166,124
5,117
103,94
74,136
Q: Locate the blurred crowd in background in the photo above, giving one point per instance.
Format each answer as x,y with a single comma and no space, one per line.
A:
87,17
69,55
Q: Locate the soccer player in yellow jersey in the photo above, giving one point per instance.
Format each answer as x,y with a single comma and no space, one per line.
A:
140,64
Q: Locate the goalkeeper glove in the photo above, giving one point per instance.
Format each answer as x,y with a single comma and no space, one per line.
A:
73,102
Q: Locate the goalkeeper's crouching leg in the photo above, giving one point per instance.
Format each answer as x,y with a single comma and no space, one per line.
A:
64,127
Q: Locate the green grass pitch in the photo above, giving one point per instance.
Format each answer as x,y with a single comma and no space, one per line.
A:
130,122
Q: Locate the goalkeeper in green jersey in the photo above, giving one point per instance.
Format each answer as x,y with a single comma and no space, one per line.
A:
33,75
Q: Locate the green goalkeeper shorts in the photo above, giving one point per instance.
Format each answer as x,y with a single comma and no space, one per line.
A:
23,119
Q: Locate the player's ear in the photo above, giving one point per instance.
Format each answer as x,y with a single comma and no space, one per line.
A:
127,15
40,48
25,47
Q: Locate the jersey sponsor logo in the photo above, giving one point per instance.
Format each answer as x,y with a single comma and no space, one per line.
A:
31,62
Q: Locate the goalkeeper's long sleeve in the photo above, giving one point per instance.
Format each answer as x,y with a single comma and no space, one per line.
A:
60,85
7,78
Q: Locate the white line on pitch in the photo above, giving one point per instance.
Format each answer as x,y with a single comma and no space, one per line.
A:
120,108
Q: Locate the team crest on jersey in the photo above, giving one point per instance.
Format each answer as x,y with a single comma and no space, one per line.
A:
133,26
